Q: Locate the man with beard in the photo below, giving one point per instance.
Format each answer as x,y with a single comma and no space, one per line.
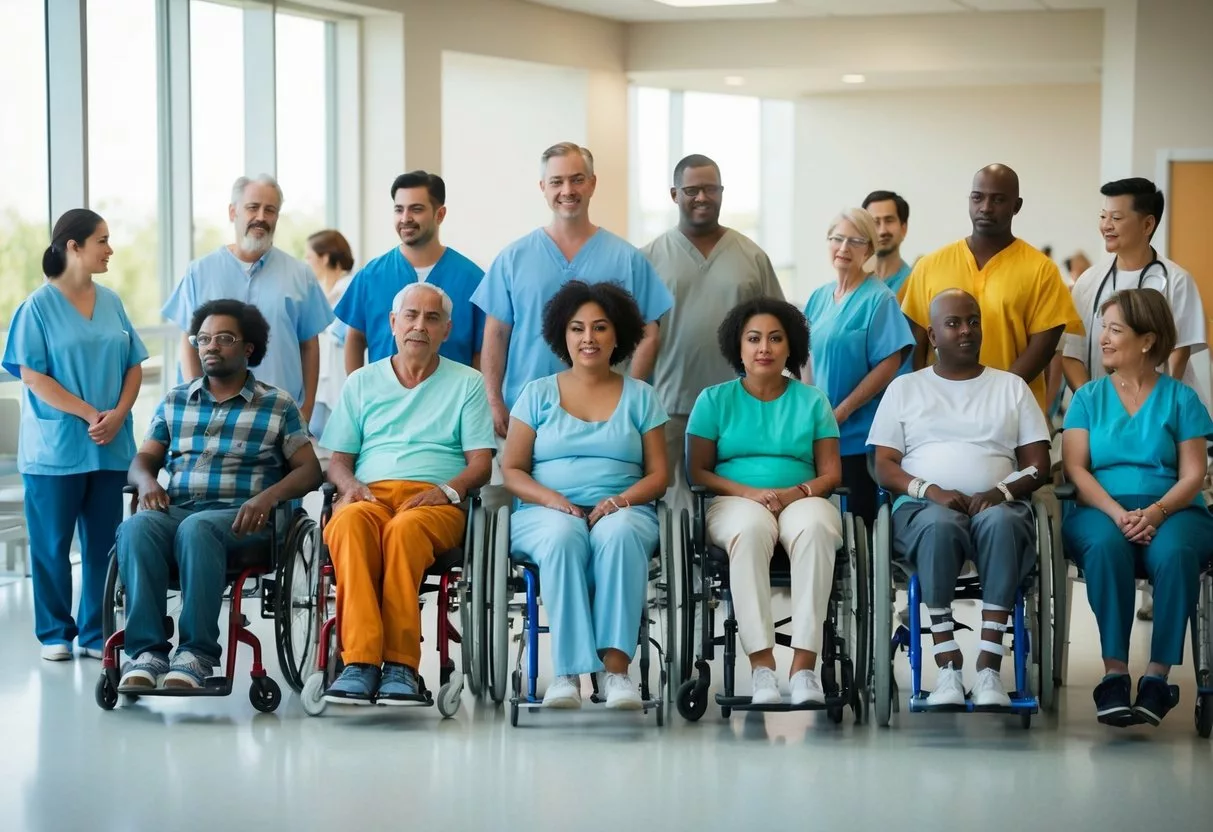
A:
709,269
233,447
892,215
419,205
282,288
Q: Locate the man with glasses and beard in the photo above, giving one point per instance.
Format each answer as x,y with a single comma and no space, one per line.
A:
282,288
419,207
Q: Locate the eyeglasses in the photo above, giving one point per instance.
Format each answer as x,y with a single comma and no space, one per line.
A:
692,191
853,242
223,339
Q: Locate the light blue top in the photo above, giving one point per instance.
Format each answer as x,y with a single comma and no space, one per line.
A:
89,358
588,461
418,434
367,303
763,444
1138,455
898,278
281,287
529,271
848,339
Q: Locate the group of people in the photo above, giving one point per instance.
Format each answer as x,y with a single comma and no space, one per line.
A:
580,380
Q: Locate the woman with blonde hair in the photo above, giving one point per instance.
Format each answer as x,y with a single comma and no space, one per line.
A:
859,342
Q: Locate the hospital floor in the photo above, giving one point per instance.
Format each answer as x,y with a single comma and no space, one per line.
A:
218,764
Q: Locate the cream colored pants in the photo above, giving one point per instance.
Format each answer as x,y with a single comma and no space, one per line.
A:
810,531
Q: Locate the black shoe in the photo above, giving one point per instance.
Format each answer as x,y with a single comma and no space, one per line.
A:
1112,702
1154,698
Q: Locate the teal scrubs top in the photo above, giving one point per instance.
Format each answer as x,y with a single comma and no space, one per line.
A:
89,358
282,288
529,271
898,278
763,444
587,461
848,338
1138,455
367,303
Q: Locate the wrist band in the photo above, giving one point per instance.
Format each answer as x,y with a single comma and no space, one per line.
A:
805,489
1163,509
1006,492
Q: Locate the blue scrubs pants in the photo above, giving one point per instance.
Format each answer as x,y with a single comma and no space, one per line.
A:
1172,561
55,506
611,561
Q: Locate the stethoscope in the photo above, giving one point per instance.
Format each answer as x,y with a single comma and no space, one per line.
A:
1111,275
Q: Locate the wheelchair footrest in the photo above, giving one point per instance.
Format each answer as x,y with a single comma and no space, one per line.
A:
215,686
745,703
1019,705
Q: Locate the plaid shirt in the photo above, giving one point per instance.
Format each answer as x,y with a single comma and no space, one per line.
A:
226,451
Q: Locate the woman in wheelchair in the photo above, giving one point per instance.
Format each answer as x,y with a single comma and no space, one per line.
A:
585,457
1134,448
767,446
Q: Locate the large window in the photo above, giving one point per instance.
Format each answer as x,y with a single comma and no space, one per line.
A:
122,150
302,104
653,169
727,129
216,117
24,201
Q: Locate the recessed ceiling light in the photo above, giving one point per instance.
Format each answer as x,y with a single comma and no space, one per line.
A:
690,4
854,78
734,81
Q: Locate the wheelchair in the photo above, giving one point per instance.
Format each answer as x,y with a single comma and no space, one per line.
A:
1065,572
843,658
1032,629
508,577
292,544
445,578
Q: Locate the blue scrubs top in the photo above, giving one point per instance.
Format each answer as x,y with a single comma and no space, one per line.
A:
898,278
588,461
367,303
848,338
1138,455
90,358
281,287
528,272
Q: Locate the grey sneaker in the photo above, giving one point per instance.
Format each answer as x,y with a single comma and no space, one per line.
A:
144,672
357,685
188,670
398,685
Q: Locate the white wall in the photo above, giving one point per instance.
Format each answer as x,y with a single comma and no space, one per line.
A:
498,116
927,144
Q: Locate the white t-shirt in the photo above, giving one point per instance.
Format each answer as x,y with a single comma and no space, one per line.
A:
959,435
1179,289
424,272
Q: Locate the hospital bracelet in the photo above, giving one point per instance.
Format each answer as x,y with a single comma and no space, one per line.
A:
1163,509
807,490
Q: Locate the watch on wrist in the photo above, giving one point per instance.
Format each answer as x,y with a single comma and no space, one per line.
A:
451,494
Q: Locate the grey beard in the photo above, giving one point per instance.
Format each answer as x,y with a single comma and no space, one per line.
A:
252,245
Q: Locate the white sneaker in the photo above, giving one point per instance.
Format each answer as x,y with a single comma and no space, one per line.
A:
90,653
765,687
621,692
988,691
564,692
949,688
806,687
56,653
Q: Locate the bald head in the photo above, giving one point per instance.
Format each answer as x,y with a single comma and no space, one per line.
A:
955,330
994,201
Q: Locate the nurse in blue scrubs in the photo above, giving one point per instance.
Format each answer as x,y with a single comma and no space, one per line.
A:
859,340
1134,447
79,357
585,458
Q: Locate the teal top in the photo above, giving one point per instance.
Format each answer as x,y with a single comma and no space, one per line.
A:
1138,455
763,444
898,278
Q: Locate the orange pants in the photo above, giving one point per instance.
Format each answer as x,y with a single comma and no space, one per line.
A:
381,555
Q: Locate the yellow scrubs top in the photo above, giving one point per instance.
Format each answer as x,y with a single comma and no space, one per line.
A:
1020,292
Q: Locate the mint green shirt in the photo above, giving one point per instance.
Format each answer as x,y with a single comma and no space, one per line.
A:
419,434
763,444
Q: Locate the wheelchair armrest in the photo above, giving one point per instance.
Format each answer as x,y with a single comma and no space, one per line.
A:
699,489
1066,491
129,489
329,491
842,491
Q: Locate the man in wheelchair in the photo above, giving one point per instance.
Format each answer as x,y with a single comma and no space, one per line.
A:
233,448
410,436
960,447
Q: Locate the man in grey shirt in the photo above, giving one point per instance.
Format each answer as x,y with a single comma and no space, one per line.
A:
708,269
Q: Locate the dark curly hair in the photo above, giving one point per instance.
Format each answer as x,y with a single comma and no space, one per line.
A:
254,329
617,302
728,336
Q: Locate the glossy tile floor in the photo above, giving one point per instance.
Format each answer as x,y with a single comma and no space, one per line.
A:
216,763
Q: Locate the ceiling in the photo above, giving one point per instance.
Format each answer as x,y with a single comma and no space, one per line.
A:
642,11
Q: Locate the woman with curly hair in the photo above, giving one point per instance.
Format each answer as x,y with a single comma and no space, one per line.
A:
766,445
585,458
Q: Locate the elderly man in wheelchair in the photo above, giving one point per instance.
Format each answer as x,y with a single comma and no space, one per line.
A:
233,447
411,436
961,447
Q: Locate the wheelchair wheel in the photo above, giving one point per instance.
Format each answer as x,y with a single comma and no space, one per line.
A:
473,549
692,700
107,695
498,613
1204,715
113,612
312,697
448,696
265,694
480,608
861,589
296,618
882,616
1041,621
686,603
667,607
